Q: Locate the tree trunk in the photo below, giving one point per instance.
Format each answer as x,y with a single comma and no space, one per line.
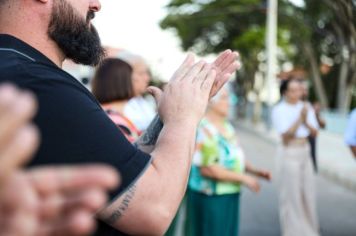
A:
349,90
315,74
342,82
352,71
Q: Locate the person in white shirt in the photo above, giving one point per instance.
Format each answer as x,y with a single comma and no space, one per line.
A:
295,121
350,132
139,109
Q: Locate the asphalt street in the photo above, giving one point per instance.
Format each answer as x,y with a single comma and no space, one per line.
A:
259,212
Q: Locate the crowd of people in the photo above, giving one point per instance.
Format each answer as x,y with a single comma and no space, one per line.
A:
350,133
35,38
108,162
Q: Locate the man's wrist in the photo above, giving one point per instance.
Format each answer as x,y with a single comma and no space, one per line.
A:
182,123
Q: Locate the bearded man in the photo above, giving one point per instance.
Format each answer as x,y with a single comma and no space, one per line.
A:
36,36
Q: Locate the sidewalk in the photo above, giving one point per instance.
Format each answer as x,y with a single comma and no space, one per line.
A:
335,160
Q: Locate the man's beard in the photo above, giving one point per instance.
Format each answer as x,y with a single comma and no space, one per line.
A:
77,38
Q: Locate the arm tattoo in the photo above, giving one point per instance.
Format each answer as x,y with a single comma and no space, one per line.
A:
119,212
149,138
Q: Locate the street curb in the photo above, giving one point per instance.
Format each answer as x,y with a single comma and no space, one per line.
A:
324,170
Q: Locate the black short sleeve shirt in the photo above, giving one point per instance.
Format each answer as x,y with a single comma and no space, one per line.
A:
74,129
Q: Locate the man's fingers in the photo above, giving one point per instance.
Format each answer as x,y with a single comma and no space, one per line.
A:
18,206
17,140
226,64
218,84
209,81
57,205
156,93
184,68
19,223
71,179
16,108
222,79
235,65
194,71
78,223
17,152
203,73
222,57
8,95
232,68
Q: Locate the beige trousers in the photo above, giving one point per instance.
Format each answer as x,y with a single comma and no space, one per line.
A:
296,186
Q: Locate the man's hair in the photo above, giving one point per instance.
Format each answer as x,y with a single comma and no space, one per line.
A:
112,81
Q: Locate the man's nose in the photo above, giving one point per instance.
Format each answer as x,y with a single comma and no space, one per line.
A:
95,5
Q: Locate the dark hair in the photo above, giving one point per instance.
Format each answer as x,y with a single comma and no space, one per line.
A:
112,81
284,85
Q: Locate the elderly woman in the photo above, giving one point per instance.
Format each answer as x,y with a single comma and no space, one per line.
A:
139,109
217,174
112,86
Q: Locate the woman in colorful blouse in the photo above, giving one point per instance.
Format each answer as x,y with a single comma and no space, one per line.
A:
218,171
112,86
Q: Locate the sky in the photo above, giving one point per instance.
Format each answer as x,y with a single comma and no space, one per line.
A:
133,25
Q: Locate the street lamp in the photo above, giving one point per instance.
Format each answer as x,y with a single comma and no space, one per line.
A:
271,47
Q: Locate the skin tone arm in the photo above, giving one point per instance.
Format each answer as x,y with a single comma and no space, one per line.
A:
290,134
257,172
149,206
321,121
220,173
312,130
353,150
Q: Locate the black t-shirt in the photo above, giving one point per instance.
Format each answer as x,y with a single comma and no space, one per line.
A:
74,129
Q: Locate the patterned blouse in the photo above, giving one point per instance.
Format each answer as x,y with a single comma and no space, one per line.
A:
124,124
213,148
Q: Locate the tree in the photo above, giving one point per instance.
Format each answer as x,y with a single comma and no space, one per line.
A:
326,29
307,36
212,26
343,24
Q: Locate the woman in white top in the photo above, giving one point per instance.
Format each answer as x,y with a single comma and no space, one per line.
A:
295,121
139,109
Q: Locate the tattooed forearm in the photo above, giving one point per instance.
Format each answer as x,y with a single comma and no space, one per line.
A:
119,212
148,139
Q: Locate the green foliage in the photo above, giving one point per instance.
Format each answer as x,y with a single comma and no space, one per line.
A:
210,26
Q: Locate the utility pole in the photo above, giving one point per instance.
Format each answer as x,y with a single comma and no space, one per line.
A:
271,47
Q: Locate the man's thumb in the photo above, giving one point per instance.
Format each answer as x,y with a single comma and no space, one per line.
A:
155,92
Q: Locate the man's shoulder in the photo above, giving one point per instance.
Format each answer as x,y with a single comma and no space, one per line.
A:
39,77
27,69
20,71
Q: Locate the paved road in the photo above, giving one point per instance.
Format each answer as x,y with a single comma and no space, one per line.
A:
259,213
